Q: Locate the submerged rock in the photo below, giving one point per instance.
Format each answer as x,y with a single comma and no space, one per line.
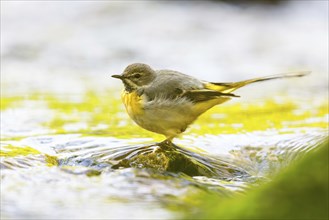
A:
166,156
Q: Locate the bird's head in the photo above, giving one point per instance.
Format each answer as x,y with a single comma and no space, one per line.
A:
136,75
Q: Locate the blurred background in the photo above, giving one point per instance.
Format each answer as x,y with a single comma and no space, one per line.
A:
63,126
50,45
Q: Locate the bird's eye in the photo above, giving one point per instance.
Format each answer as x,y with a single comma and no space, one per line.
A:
137,76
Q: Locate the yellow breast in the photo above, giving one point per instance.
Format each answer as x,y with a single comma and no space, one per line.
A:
133,103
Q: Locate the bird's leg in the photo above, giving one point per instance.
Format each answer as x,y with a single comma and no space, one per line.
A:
167,143
168,140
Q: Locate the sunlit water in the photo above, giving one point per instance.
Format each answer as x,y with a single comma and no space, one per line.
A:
73,175
83,157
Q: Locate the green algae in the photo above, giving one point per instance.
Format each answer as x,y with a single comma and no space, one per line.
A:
10,102
248,117
13,151
104,115
51,160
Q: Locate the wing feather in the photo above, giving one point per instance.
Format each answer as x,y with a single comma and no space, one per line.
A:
205,95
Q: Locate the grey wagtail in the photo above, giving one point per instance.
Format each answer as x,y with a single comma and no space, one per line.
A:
167,102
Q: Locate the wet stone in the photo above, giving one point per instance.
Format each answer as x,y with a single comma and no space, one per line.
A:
169,157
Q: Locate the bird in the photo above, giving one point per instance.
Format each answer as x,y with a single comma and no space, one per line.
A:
167,101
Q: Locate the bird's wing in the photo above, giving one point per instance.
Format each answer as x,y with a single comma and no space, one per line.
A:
171,85
205,95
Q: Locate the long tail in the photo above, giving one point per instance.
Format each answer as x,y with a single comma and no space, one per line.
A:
230,87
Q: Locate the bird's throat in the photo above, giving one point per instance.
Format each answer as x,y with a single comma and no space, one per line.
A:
129,86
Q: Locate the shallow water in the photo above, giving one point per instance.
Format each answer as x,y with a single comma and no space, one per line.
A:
69,150
55,167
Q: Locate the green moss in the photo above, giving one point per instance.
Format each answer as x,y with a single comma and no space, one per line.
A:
299,192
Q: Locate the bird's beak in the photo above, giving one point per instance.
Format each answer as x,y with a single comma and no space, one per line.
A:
117,76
